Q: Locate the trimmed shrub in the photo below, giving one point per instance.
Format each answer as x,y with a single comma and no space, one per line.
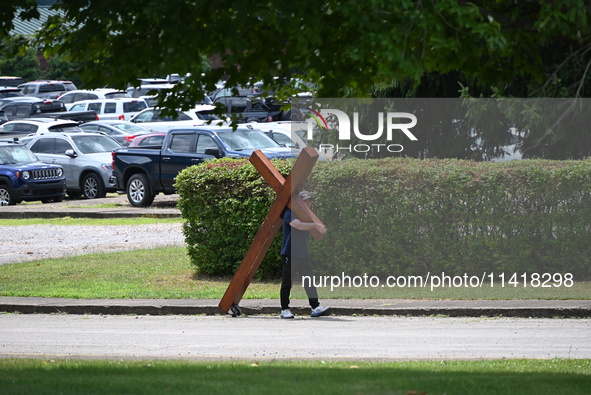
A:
412,217
224,203
403,216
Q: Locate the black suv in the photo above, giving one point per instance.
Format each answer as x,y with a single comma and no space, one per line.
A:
24,178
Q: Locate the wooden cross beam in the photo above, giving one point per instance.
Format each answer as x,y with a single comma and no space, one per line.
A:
287,195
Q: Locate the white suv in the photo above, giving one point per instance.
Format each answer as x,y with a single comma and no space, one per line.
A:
83,94
121,109
152,118
25,127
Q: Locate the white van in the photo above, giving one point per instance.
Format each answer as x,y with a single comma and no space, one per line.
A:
121,109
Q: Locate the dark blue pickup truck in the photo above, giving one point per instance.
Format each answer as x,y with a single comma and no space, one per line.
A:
144,172
24,177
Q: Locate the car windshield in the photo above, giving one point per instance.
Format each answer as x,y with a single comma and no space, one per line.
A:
93,144
284,140
246,139
16,155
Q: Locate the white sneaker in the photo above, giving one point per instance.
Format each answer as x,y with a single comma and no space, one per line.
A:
286,314
320,310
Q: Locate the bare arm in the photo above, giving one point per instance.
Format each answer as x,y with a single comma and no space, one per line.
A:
297,224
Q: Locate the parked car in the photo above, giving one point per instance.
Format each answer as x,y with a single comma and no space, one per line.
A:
10,91
203,112
85,157
24,178
79,95
12,99
151,87
11,81
253,109
123,132
150,115
148,140
153,81
280,136
142,173
290,134
45,89
149,91
122,109
155,120
24,127
33,107
237,91
173,78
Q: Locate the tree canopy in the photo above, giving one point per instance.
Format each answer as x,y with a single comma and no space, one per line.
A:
521,47
437,48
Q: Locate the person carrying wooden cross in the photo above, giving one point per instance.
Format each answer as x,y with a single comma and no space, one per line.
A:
295,255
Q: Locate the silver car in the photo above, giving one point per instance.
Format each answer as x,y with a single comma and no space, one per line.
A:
85,157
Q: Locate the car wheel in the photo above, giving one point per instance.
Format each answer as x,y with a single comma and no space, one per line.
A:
295,117
139,191
92,187
6,196
285,116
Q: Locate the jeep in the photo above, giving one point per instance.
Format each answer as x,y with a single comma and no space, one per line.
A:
24,178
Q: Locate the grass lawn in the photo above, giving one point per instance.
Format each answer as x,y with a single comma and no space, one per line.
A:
36,376
167,273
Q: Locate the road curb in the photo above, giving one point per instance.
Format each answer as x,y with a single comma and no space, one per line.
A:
451,308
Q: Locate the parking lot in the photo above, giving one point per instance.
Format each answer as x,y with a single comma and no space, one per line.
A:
52,241
112,205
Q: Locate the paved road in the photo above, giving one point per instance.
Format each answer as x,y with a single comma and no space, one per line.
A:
268,337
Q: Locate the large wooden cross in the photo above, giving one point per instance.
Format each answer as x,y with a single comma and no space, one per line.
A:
287,190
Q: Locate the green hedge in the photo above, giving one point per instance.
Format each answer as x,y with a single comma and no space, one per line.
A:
224,202
404,216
